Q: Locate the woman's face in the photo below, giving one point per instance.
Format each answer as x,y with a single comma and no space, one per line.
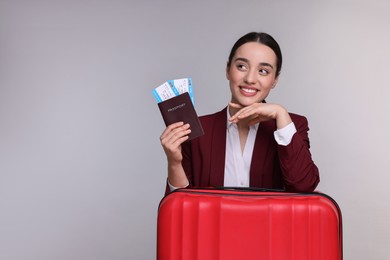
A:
252,73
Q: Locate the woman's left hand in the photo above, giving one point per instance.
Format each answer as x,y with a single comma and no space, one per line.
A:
258,112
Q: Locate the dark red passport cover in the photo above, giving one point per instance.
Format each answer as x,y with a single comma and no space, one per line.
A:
181,109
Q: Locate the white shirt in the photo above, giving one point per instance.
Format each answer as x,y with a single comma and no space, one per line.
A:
237,163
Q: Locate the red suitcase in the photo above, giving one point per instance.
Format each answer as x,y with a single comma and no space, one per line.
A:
240,224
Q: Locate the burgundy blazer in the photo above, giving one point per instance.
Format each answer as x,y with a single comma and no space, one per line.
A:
273,166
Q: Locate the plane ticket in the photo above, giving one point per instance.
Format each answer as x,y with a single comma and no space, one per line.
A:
172,88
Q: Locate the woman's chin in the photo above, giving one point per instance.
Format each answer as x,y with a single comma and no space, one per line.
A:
247,102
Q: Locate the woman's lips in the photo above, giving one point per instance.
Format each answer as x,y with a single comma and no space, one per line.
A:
247,91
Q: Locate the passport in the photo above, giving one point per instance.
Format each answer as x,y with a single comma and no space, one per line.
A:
181,109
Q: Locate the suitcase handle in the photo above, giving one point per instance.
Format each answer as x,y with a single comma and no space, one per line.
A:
250,189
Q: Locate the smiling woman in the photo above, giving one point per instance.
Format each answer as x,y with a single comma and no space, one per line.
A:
250,143
251,73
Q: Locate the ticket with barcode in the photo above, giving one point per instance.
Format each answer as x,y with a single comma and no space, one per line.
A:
164,92
182,86
172,88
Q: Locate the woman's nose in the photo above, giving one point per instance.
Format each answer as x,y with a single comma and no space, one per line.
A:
250,77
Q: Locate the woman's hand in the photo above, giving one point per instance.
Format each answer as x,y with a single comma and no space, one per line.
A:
172,138
258,112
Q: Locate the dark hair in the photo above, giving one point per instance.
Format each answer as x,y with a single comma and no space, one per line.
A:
263,38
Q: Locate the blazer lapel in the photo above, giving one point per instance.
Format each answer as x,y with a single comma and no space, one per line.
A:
218,150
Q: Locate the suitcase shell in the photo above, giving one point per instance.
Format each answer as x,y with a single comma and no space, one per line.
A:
239,224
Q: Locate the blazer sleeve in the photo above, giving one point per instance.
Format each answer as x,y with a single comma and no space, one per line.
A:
300,174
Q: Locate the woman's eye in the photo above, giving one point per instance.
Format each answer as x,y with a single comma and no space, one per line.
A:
241,67
263,72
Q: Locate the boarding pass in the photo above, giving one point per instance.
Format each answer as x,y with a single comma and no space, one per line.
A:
173,88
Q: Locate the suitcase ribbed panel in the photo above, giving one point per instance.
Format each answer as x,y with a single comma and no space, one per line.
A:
248,225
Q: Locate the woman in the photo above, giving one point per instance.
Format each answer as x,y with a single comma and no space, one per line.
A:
250,143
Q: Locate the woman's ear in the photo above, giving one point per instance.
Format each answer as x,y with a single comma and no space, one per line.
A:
227,72
275,82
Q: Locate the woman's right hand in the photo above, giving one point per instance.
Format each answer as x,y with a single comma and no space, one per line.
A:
172,138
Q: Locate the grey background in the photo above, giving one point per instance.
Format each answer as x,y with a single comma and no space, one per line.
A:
81,167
